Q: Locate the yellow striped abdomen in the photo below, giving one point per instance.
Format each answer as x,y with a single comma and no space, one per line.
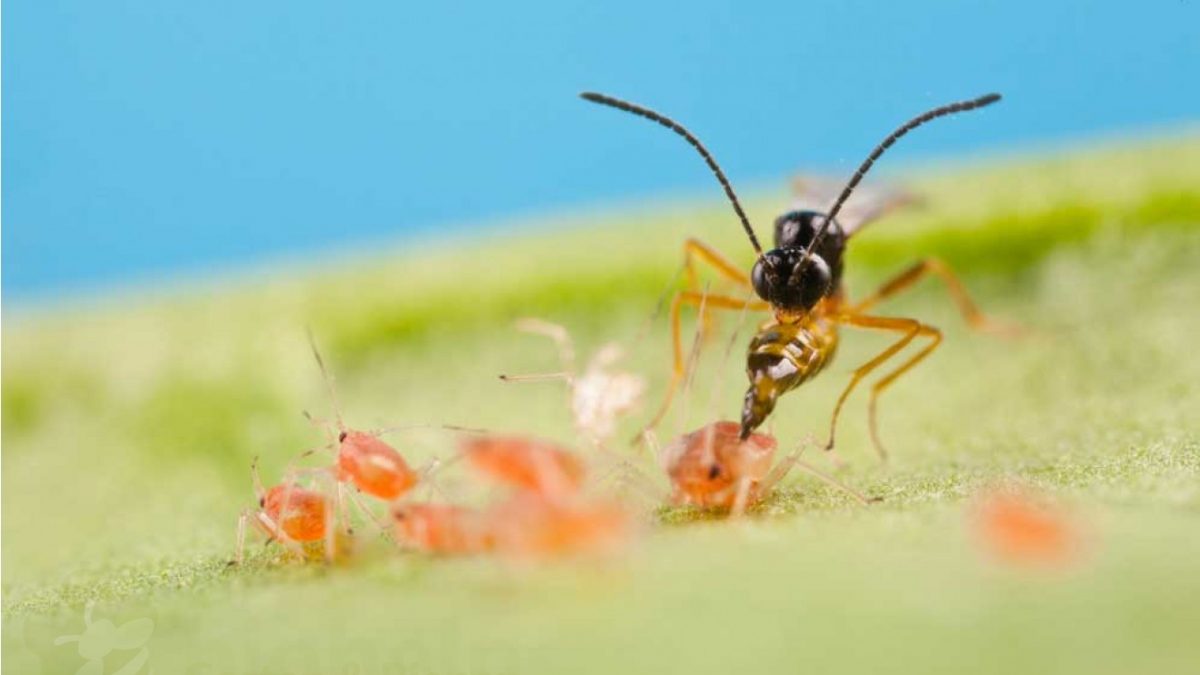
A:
782,356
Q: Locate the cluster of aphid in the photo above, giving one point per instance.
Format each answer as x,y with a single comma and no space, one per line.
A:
545,509
548,506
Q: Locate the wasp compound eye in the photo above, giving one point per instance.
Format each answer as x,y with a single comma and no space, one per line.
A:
769,274
811,277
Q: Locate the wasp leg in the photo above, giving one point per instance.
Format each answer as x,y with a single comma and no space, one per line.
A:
694,248
679,369
911,329
967,307
877,388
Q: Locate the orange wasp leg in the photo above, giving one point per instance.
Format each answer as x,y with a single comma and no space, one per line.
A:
911,329
679,369
966,306
693,249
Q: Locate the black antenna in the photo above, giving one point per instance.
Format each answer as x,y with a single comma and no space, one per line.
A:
687,135
960,106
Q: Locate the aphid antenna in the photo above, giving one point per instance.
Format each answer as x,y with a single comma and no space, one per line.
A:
678,128
256,480
928,116
441,427
327,377
560,336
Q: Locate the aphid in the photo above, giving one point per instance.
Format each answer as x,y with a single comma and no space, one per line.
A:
525,464
599,395
101,638
800,282
289,514
713,467
1016,527
363,459
445,529
530,525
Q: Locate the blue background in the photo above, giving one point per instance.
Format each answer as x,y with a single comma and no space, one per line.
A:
154,139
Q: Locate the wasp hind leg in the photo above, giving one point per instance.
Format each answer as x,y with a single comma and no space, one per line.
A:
958,292
911,329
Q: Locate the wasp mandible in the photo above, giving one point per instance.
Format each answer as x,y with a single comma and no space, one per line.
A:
800,282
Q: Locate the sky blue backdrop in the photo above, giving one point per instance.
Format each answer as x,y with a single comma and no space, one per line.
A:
164,137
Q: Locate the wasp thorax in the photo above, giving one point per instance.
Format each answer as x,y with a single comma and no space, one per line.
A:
788,279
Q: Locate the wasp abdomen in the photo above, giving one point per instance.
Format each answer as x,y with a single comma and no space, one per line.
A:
782,356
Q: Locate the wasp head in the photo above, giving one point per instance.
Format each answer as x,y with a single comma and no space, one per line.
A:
791,280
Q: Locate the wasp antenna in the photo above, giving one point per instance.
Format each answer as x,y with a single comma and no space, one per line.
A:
671,124
337,410
949,109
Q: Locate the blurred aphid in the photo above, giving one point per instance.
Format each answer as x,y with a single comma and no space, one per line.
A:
600,395
289,514
443,529
546,511
800,282
712,467
528,525
1015,527
525,464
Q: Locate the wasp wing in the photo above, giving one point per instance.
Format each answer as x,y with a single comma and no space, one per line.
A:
865,206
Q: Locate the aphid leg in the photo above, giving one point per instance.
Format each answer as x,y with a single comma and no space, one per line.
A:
830,480
339,489
331,530
781,470
239,555
367,513
741,498
275,533
966,306
911,329
679,369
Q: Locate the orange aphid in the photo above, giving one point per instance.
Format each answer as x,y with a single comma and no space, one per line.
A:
528,525
440,528
289,514
364,459
373,466
712,468
1017,528
298,513
525,464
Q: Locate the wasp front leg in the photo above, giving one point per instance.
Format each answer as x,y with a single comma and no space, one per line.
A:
696,251
679,365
